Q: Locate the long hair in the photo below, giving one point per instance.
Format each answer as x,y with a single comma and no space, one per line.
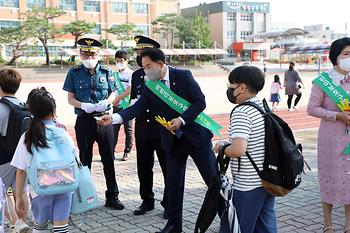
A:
41,104
277,79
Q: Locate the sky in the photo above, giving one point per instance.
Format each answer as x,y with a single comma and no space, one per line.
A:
333,13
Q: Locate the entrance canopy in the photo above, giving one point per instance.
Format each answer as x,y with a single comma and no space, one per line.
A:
279,34
323,48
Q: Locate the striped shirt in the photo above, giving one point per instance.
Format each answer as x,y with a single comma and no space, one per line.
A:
248,123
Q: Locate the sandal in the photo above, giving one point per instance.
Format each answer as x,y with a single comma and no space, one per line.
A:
346,229
325,229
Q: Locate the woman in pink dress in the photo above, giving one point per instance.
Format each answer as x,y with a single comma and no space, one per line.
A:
333,138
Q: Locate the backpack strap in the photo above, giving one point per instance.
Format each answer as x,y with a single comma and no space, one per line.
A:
254,164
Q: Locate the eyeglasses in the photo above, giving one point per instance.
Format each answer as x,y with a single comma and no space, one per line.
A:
88,54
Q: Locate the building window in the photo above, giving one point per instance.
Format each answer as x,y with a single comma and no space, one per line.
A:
93,6
231,16
68,5
246,17
35,3
140,8
9,3
120,7
231,35
244,34
8,24
96,30
144,29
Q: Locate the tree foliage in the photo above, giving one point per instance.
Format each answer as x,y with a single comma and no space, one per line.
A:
39,22
166,26
124,32
78,28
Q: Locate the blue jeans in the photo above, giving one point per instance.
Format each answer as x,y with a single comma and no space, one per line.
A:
255,211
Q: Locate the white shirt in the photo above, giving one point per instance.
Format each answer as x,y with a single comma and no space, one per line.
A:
125,78
117,119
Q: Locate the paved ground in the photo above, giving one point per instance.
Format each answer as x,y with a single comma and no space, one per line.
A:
299,211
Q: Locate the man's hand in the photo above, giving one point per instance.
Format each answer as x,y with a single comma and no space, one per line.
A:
105,120
116,101
88,107
175,124
102,106
217,146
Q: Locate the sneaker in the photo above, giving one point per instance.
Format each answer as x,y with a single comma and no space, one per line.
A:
126,156
290,109
19,227
295,108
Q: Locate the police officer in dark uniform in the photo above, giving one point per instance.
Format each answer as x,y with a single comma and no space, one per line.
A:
90,88
147,137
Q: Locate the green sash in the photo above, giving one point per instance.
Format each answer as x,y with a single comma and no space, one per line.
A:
124,103
180,105
336,93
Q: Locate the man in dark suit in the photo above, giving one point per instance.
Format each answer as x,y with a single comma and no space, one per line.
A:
182,137
147,136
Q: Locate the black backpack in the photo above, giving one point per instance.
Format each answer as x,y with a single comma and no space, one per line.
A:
284,162
18,123
213,201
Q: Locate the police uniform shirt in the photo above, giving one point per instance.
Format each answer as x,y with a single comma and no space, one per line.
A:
87,87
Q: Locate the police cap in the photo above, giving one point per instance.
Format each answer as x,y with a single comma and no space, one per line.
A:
145,42
89,44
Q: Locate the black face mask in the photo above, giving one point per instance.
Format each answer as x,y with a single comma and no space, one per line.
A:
230,95
139,61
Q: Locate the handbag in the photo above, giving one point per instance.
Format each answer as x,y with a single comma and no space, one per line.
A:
85,196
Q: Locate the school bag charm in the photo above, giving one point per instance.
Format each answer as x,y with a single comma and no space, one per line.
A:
54,170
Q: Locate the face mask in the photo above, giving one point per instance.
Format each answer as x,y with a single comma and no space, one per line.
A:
344,64
153,74
90,63
139,61
120,66
230,95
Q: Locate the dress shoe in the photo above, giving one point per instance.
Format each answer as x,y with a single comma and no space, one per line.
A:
113,201
143,208
169,229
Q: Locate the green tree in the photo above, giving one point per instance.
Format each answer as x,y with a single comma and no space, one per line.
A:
15,37
194,31
124,32
166,27
78,28
201,31
38,20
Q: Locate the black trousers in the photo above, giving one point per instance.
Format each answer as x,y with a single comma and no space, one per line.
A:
290,99
87,132
145,149
129,140
176,160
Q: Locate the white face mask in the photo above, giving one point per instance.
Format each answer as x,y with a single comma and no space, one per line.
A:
153,74
344,64
90,63
120,66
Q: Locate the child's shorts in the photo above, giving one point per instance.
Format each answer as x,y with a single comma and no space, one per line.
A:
51,208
